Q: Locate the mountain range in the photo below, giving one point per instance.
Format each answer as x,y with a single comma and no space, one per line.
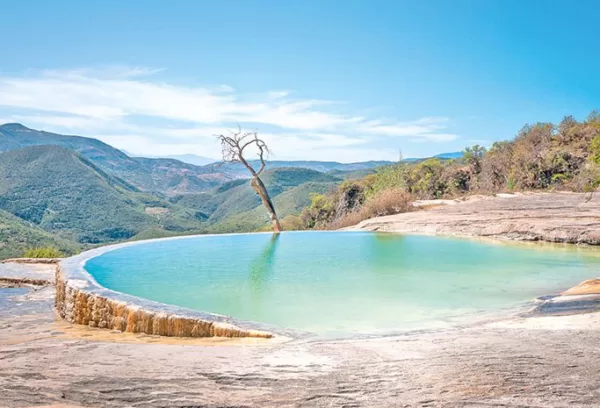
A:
157,175
71,192
192,159
148,174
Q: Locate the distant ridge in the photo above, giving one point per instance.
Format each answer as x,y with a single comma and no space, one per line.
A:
192,159
451,155
238,170
168,175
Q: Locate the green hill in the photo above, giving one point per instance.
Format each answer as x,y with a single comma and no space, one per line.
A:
166,176
67,198
237,170
17,235
289,202
64,193
289,188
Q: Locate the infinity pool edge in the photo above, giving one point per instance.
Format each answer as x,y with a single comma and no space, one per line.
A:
81,300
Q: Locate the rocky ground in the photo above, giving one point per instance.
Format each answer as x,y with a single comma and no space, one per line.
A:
538,360
553,217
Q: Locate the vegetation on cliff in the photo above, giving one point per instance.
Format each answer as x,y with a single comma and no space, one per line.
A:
564,156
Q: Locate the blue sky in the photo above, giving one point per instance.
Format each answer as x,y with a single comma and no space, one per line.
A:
326,80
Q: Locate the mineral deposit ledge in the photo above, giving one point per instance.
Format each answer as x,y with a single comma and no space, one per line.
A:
81,300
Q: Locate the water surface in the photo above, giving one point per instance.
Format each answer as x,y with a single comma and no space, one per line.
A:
343,283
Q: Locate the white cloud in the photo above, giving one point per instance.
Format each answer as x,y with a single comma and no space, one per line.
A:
424,129
278,94
131,109
77,123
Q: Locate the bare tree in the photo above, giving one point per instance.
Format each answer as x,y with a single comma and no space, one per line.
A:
233,147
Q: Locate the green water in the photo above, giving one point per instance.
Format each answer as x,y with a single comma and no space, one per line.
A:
343,283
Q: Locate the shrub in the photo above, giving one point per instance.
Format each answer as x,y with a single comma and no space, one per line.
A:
348,197
324,209
425,179
347,220
43,252
459,179
319,212
292,223
387,202
587,180
496,168
386,177
473,156
595,150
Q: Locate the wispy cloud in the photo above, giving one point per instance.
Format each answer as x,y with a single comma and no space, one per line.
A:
109,72
132,109
426,129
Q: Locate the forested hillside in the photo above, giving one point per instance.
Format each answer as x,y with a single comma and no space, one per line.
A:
235,207
61,192
17,236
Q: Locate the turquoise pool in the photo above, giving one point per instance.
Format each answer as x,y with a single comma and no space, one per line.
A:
343,283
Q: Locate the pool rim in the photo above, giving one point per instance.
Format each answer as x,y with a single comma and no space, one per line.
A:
71,276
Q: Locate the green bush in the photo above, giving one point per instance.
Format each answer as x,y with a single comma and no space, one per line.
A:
319,212
473,156
291,223
425,179
386,202
595,150
44,252
385,178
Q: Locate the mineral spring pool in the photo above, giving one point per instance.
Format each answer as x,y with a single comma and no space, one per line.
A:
336,284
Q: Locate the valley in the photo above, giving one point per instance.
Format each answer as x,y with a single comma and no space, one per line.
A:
73,192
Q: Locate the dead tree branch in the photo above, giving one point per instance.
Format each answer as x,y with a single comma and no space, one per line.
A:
233,149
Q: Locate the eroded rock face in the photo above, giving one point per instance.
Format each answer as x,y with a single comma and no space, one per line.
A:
77,304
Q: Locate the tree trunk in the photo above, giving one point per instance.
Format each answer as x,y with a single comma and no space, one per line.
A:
261,190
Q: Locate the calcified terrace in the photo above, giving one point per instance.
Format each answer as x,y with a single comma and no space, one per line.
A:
80,300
